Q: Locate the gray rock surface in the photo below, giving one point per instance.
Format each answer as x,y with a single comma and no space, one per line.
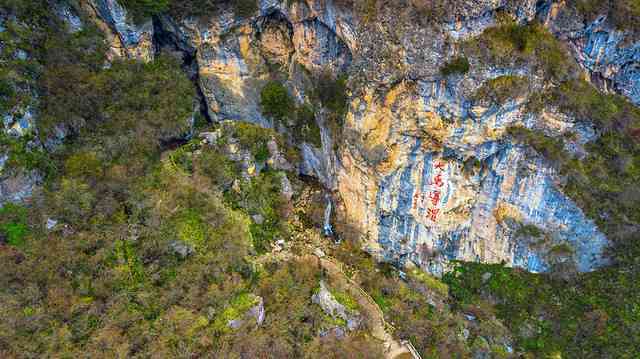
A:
332,307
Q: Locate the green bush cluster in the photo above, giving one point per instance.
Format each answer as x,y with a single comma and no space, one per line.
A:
346,300
332,92
514,44
21,155
502,88
306,129
219,168
262,196
551,148
458,65
144,9
299,120
13,224
255,138
550,317
275,101
607,111
237,307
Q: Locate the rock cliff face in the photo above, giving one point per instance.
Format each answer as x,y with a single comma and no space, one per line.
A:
610,56
125,38
422,169
420,201
411,134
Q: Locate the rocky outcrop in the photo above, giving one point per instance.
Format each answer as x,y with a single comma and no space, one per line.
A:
237,56
330,305
18,187
255,313
611,56
125,38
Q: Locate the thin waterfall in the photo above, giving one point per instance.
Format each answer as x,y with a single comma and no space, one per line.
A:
327,228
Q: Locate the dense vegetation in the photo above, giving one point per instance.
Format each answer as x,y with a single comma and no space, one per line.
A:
417,309
593,316
135,247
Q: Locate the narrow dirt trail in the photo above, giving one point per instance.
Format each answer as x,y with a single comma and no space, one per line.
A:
309,245
369,309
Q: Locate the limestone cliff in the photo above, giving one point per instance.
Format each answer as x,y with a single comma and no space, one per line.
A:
402,176
421,167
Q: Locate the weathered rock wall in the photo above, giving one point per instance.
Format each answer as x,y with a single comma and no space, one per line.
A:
422,170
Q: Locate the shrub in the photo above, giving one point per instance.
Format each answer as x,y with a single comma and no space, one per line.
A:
581,99
306,129
237,307
529,230
74,201
510,43
255,138
278,104
458,65
623,14
13,224
129,265
220,169
190,228
367,9
192,8
551,148
187,8
430,282
83,165
346,300
143,9
262,196
275,101
24,155
502,88
332,93
245,8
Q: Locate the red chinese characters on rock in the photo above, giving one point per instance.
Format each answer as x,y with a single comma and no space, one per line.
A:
437,180
432,214
434,195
